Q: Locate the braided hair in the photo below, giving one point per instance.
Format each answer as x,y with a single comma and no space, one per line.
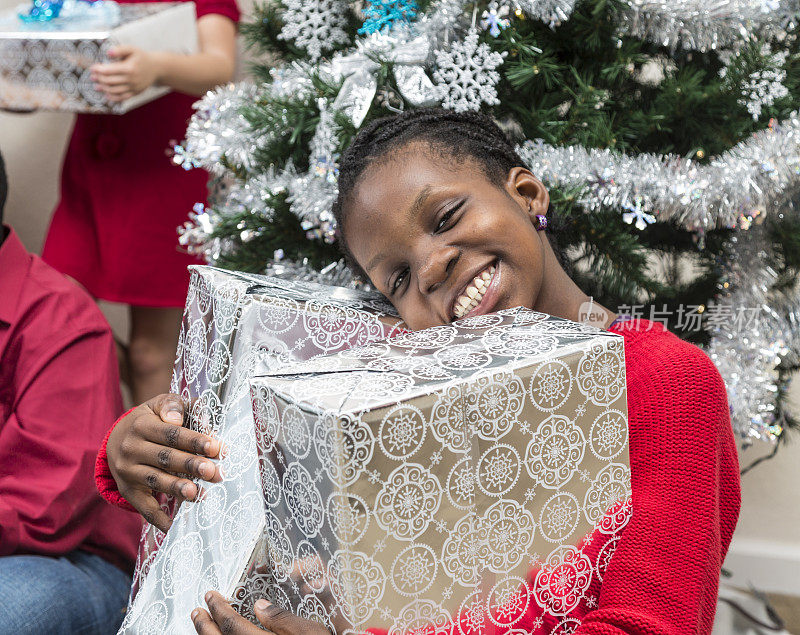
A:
453,136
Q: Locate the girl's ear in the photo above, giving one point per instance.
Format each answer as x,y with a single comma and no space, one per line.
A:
528,191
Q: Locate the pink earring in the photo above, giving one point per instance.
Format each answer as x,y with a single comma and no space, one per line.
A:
541,222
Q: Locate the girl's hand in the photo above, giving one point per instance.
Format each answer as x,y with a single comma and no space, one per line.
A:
121,80
223,619
149,446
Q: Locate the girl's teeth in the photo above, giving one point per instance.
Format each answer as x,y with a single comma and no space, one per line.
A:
474,293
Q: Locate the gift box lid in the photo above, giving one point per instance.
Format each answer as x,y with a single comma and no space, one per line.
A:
413,364
11,27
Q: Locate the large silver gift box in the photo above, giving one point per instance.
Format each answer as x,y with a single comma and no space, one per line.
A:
446,480
235,325
46,65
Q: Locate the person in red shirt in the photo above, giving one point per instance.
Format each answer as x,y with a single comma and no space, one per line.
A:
65,555
429,200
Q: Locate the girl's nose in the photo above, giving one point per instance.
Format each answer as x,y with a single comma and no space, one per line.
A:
436,267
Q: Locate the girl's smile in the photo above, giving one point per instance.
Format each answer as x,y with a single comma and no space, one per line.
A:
480,294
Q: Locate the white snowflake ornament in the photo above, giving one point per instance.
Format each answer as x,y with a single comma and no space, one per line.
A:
465,74
763,88
315,25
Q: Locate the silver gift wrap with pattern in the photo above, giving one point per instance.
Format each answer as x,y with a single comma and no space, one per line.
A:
445,480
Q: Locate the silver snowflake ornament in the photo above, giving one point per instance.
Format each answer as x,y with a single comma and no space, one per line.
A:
314,25
465,74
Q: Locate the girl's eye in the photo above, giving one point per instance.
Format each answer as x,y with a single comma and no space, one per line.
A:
398,281
445,218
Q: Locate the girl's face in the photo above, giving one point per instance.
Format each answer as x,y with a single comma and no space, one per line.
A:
442,241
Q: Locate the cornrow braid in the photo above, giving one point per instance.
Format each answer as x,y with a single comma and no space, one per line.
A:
455,136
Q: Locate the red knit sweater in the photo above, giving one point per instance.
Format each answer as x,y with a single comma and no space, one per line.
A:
664,573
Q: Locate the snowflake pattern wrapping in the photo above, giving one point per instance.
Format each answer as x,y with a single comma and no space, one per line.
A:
437,491
465,74
236,324
317,26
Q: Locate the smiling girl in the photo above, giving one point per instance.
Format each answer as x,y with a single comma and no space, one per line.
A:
437,210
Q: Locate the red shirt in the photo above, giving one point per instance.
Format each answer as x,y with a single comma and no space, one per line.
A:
664,573
59,389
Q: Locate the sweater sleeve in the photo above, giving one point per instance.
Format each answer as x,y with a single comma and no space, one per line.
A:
106,484
664,575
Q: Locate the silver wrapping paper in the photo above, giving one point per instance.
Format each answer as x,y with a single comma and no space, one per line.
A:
446,480
47,66
234,325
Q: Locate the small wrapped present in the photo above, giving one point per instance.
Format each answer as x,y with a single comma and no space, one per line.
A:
45,65
235,325
445,480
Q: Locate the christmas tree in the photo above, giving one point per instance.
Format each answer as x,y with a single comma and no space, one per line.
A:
666,132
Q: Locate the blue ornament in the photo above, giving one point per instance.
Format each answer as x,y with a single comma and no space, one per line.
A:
42,11
106,12
382,15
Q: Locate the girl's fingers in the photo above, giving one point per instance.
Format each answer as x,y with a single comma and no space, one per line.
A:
176,461
169,407
203,623
173,435
109,68
281,622
112,80
151,478
114,91
121,51
149,508
226,618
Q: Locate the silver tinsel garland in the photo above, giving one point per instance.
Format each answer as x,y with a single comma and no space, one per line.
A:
747,352
217,129
336,273
553,12
705,25
756,176
700,25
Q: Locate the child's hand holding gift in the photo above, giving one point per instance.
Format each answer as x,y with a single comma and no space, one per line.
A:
150,450
133,71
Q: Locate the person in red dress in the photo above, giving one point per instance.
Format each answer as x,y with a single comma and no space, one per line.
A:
428,200
114,229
